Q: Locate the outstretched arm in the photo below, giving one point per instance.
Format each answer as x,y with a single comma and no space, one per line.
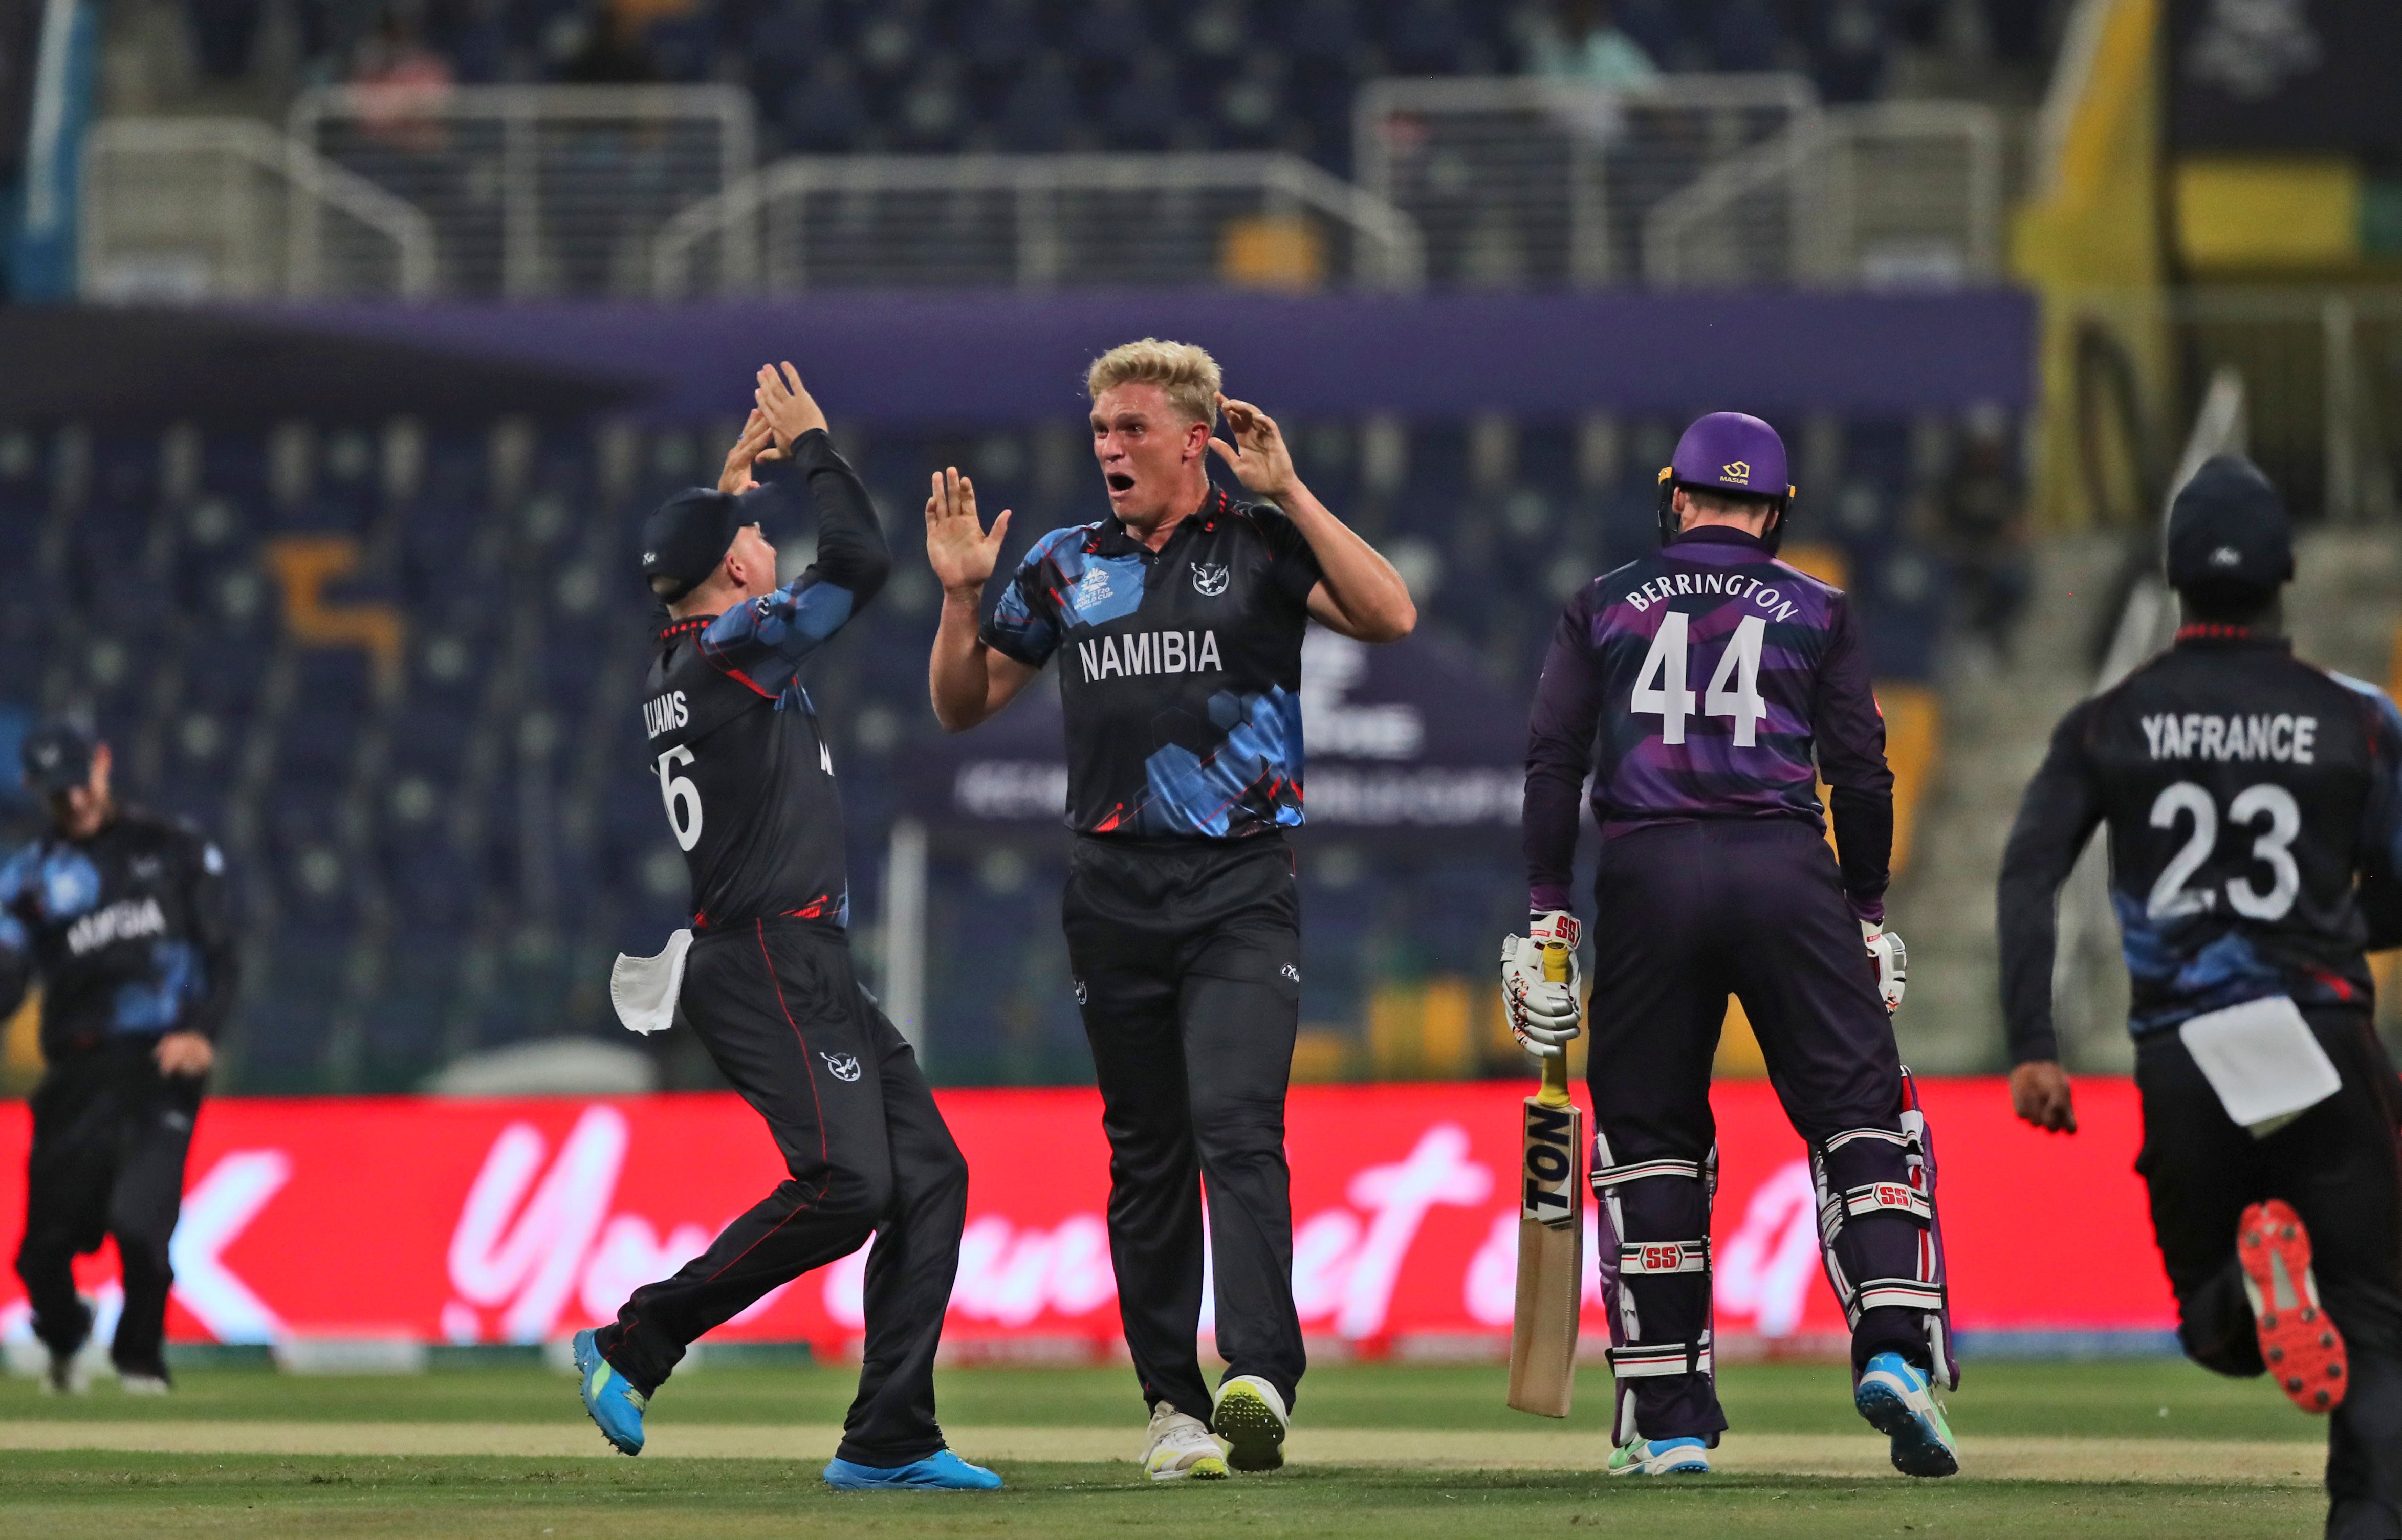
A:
764,641
851,553
968,681
1358,593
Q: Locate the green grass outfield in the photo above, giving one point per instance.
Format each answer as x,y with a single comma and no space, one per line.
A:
2153,1449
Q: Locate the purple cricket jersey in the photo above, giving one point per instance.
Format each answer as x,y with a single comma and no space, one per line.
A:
1706,680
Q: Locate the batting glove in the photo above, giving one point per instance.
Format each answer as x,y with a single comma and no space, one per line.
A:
1544,1016
1891,962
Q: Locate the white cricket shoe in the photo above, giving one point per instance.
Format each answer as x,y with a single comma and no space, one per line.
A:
145,1384
1181,1449
1249,1415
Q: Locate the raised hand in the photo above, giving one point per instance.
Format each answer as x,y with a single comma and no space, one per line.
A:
754,445
787,404
961,551
1258,456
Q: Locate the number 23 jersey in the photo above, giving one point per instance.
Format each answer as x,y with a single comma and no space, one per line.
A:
2245,790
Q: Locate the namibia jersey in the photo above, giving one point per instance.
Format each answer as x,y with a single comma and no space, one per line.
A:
1179,668
741,762
2254,813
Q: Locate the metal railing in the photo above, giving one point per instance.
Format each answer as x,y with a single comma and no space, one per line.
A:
1903,194
1036,222
1516,181
536,191
207,208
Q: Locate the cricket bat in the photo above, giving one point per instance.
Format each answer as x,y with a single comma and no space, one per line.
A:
1550,1238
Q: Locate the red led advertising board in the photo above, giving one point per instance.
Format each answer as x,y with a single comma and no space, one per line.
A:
522,1220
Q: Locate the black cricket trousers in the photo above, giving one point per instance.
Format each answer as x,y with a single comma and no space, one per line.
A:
2340,1166
110,1134
779,1009
1187,960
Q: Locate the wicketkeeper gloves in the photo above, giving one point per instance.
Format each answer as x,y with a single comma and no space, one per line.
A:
1544,1016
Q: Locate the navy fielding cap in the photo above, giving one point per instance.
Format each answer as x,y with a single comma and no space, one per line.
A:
686,538
2228,526
58,757
1731,452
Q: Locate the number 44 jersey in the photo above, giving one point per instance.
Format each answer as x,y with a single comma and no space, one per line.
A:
2252,801
1706,680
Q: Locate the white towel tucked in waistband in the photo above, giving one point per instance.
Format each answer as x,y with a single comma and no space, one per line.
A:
645,989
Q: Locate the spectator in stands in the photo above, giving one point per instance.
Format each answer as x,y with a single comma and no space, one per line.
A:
399,81
1984,531
1579,42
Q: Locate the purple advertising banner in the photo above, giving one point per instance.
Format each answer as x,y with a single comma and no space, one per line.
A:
964,359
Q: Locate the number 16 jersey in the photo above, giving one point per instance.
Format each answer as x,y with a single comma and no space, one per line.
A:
734,742
2252,807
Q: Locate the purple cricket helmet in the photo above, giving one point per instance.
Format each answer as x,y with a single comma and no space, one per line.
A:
1728,452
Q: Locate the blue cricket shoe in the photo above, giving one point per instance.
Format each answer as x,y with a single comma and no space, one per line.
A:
941,1471
1661,1457
615,1406
1899,1402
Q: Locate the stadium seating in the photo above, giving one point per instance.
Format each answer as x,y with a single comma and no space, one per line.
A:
440,851
833,75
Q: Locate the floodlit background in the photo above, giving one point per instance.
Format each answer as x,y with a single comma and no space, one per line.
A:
350,340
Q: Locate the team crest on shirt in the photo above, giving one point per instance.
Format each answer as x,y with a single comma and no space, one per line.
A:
845,1065
1209,579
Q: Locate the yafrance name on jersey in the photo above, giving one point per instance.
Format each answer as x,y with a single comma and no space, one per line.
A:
1141,652
2282,737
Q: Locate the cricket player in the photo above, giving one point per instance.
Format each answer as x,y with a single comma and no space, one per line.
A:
747,780
2255,812
121,915
1706,687
1178,622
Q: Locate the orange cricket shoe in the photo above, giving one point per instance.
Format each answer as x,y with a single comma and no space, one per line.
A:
2298,1343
